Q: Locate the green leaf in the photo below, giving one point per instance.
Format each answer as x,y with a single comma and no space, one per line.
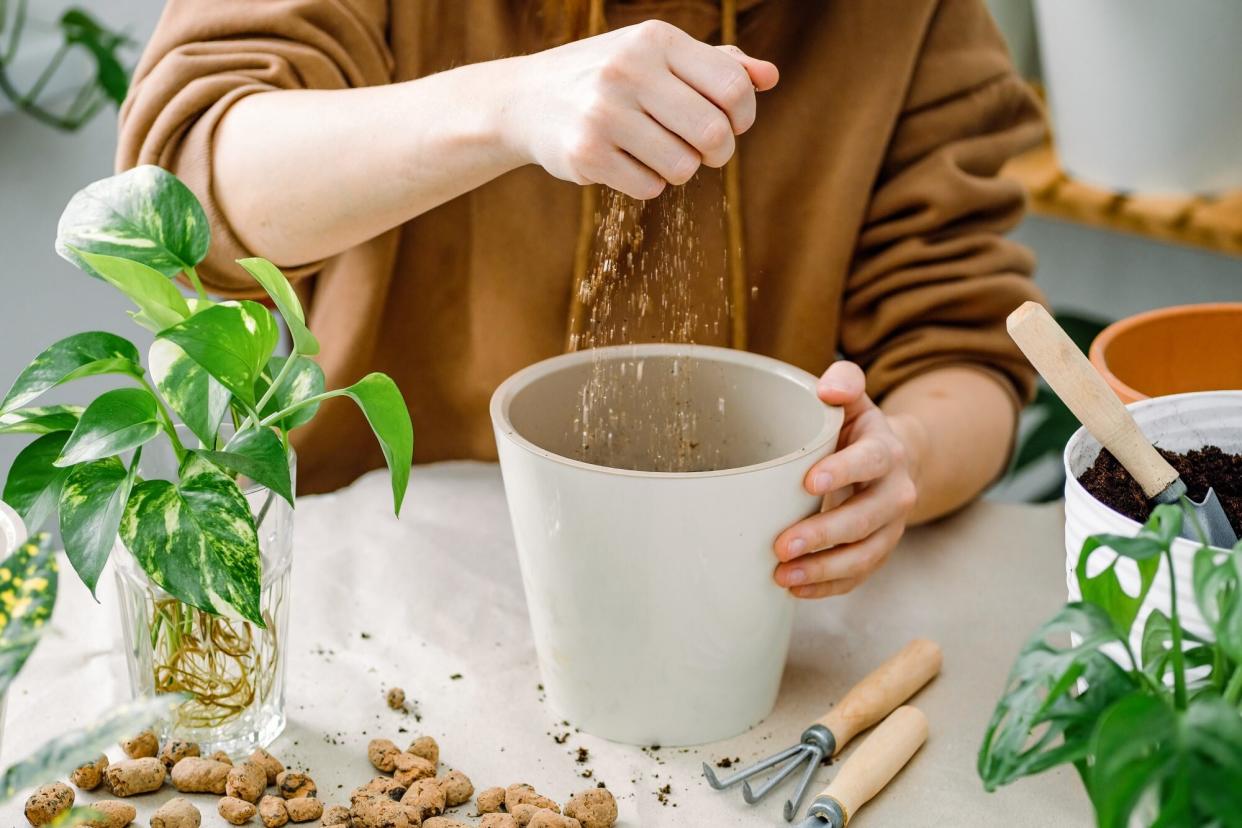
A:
1039,722
1104,589
33,485
282,293
40,420
74,357
1218,592
197,539
1049,436
384,407
1192,760
116,421
102,44
92,501
145,214
64,753
28,581
305,380
232,341
159,302
259,455
190,391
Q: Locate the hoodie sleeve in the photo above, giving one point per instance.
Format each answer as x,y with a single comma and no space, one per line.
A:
933,277
206,56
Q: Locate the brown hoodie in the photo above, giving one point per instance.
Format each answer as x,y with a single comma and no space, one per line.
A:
872,210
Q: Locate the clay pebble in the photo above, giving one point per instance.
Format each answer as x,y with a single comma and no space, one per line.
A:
426,796
270,764
523,794
382,812
594,808
112,814
396,698
490,800
551,819
246,781
235,811
410,769
193,774
48,802
335,815
444,822
294,784
427,748
272,811
304,808
90,776
175,750
221,756
177,813
130,777
383,754
141,745
498,820
524,812
457,788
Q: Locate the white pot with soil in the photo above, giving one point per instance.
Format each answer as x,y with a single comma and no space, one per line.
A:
1144,93
646,485
1180,423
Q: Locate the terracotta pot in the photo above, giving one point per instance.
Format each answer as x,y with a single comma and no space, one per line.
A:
1172,351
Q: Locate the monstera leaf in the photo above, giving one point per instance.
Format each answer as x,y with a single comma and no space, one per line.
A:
145,215
196,539
28,580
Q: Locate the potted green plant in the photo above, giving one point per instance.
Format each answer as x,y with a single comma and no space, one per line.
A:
1155,731
185,471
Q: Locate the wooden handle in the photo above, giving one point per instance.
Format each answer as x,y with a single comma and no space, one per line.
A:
887,686
1080,387
878,759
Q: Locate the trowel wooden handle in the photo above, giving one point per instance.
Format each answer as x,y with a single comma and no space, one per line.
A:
887,686
1080,387
877,760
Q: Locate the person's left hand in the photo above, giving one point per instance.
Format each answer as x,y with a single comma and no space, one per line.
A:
868,490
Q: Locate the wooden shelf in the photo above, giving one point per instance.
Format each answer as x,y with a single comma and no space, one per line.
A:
1199,221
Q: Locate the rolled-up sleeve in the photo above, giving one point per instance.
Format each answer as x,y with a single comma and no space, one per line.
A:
933,276
206,56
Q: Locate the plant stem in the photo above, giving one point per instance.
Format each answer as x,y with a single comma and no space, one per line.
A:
1233,692
47,73
166,421
285,412
15,36
195,281
271,390
1175,623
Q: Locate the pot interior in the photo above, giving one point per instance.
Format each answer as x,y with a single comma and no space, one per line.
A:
690,412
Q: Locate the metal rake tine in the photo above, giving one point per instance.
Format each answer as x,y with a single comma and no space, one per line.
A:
754,795
746,773
793,803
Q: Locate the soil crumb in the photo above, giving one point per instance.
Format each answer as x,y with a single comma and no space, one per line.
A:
1200,469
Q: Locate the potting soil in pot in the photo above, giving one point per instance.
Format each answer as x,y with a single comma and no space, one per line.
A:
1200,469
647,261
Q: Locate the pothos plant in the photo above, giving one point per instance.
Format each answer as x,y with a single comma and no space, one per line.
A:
28,587
213,367
1155,730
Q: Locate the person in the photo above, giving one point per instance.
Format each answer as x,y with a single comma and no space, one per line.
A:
416,169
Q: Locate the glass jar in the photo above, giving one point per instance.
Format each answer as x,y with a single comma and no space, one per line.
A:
232,671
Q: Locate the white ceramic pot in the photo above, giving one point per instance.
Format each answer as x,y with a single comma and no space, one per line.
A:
1179,422
1144,93
650,594
12,529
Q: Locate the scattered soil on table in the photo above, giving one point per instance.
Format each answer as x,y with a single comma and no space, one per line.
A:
1200,469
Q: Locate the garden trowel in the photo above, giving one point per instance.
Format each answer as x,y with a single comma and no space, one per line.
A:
1085,393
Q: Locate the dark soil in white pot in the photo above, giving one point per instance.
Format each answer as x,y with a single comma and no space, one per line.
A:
1200,469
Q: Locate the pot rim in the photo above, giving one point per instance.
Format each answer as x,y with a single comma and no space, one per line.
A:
1122,326
504,394
1071,482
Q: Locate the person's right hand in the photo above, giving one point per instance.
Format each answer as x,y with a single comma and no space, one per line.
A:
633,109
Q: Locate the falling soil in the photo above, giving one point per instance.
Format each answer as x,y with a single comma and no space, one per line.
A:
1200,469
646,261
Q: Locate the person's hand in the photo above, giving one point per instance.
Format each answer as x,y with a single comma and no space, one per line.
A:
869,492
633,109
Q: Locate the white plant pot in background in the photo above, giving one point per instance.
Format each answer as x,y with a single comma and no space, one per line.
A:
1144,94
655,616
1179,422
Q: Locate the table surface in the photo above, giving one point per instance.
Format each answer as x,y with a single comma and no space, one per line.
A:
433,603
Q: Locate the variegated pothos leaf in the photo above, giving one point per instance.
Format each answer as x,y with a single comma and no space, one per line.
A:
197,540
145,214
92,501
28,581
81,355
40,419
191,392
232,341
